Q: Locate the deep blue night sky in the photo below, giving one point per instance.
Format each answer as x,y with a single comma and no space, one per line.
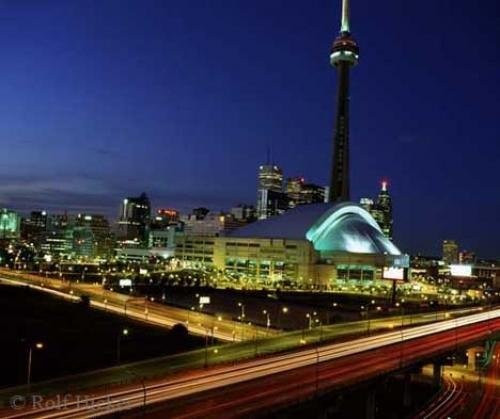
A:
108,98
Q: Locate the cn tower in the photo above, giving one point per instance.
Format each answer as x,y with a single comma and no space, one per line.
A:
344,55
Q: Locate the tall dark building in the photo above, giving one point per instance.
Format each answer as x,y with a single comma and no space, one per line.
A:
384,204
381,209
344,55
135,216
271,200
34,227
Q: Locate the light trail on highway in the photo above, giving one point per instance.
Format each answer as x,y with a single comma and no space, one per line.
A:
489,405
448,401
202,381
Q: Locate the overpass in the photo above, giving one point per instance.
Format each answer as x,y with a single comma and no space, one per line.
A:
252,386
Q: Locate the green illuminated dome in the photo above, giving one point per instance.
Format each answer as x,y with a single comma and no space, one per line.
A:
349,228
345,228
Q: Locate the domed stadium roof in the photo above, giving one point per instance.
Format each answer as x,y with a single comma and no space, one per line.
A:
349,228
344,227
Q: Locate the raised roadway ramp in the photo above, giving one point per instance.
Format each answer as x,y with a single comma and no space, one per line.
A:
264,383
140,309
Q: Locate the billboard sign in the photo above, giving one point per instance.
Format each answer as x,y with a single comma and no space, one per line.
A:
461,270
394,273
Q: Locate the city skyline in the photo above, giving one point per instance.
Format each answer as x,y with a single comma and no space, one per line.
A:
172,159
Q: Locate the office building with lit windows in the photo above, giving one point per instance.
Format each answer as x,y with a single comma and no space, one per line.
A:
450,252
135,216
10,224
309,246
381,209
271,200
299,192
92,236
270,177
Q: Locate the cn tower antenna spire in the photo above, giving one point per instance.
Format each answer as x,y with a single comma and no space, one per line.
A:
345,16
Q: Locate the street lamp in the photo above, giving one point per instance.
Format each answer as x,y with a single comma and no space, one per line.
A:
143,384
268,320
206,346
309,319
123,333
38,345
242,306
283,310
366,310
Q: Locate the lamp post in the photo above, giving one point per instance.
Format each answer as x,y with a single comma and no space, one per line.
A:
242,306
283,310
143,384
38,345
317,370
206,348
241,317
401,313
366,311
268,320
123,333
401,361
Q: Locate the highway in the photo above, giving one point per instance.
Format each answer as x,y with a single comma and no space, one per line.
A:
213,354
201,324
489,405
266,382
450,399
141,309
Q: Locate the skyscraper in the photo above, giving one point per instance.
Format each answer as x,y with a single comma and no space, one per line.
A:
271,177
450,252
344,55
271,200
384,205
135,215
381,209
92,235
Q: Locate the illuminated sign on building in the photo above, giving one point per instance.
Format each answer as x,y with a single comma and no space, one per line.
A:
204,299
394,273
125,282
461,270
